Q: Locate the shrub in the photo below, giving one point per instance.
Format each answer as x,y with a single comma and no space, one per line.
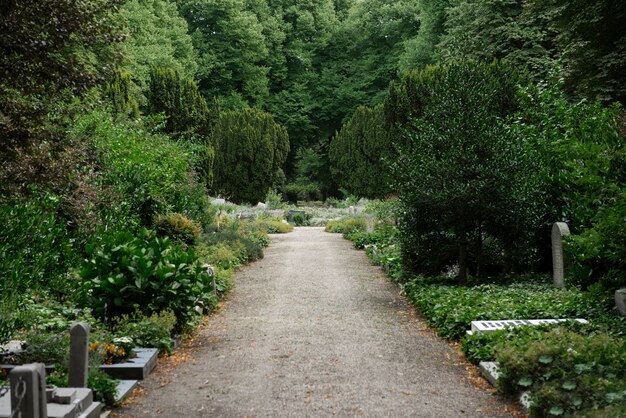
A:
451,309
274,226
568,374
123,271
245,249
178,227
346,225
148,331
219,255
252,147
144,174
296,192
103,386
36,249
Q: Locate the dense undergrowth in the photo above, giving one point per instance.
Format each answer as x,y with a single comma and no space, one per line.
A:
137,251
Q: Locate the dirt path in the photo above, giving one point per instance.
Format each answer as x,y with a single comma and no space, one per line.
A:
314,330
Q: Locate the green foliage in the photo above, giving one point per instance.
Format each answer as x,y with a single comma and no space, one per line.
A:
457,189
582,152
361,58
250,147
308,192
144,174
148,331
120,93
158,37
421,49
50,51
274,226
302,192
359,153
591,37
484,30
178,227
346,225
103,386
225,73
123,273
483,346
246,249
451,309
567,373
36,248
43,347
219,255
186,110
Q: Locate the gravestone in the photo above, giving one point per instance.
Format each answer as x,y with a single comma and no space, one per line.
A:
79,355
560,230
620,301
28,391
261,205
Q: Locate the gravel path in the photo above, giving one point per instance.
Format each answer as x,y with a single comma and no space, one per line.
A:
314,330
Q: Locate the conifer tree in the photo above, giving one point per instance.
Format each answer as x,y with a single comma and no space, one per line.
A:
358,153
250,148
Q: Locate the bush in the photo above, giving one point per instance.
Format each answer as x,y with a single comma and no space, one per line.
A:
274,226
568,374
144,174
148,331
103,386
346,225
123,271
36,249
178,227
219,255
245,249
451,309
296,192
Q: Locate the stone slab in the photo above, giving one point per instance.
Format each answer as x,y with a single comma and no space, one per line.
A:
137,368
83,397
489,370
490,326
124,389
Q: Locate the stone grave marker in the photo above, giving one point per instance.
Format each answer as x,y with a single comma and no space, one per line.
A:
560,230
79,355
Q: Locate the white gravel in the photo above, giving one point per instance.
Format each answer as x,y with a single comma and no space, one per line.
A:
314,330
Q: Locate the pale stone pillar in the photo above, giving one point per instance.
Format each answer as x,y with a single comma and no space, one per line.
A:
560,230
79,355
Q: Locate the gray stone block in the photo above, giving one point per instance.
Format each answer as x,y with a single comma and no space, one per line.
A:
137,368
620,301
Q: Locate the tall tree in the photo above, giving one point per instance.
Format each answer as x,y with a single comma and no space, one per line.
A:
421,50
591,35
231,51
158,37
362,58
455,184
50,50
498,29
250,148
359,154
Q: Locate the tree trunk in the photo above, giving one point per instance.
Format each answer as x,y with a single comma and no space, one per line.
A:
462,239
